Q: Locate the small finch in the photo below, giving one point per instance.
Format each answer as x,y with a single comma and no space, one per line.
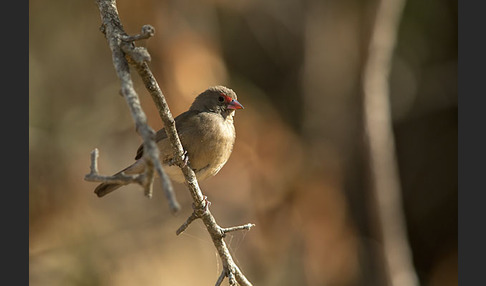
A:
206,132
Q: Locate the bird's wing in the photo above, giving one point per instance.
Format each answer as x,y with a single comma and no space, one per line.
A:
181,121
159,136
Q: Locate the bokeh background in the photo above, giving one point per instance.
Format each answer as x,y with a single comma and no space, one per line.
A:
298,169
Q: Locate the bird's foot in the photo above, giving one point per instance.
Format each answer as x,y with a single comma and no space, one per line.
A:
207,203
185,160
203,208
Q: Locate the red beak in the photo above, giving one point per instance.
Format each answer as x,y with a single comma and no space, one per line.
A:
234,104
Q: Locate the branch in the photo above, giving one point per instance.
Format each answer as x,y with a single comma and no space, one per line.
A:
221,277
381,146
247,226
121,46
114,33
146,32
200,203
120,178
183,227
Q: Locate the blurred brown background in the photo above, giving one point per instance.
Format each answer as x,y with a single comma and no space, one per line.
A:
298,169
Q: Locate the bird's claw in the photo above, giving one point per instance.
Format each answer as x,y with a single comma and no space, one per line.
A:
185,158
205,206
207,203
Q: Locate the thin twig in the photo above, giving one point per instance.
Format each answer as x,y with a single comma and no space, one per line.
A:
183,227
247,226
120,178
113,30
146,32
381,145
221,277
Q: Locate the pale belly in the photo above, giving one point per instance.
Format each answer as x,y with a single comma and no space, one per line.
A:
176,175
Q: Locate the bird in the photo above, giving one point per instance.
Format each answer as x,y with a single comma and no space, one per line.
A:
207,134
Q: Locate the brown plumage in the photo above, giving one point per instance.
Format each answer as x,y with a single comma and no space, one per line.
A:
207,134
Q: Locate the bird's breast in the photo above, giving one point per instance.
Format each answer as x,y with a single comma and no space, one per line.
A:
211,146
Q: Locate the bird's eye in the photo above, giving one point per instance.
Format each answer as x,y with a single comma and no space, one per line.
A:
221,99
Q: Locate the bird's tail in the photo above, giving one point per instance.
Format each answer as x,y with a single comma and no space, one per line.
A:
106,188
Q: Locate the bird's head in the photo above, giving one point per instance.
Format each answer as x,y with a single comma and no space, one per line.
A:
218,99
